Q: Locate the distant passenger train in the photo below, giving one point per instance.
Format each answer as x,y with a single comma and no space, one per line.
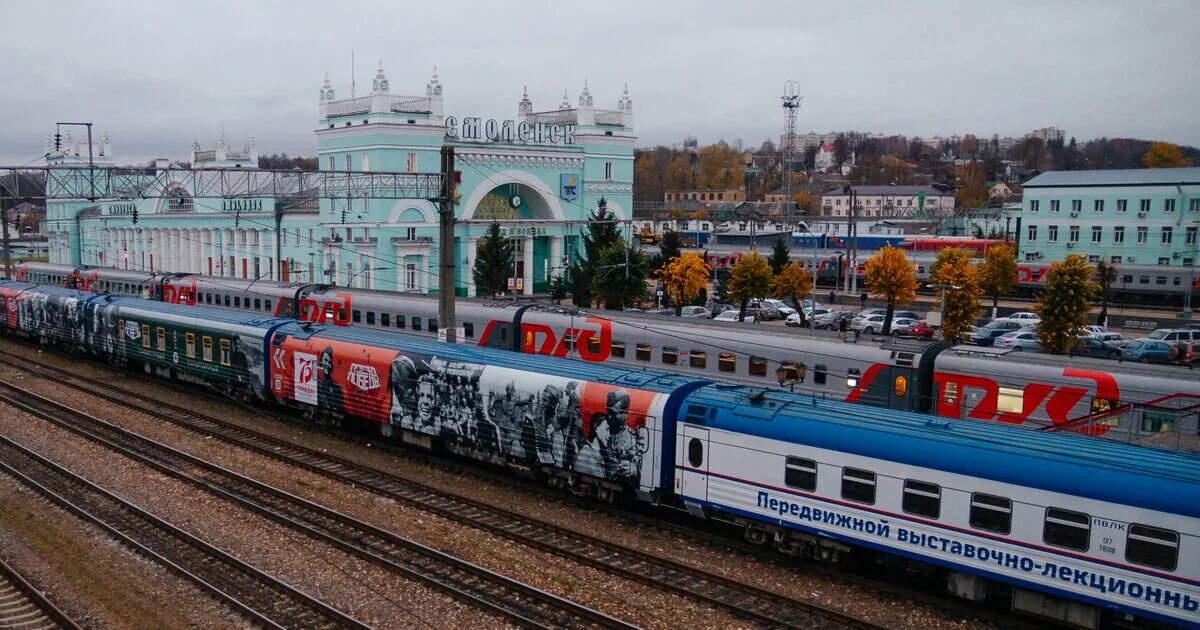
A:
1033,390
1083,531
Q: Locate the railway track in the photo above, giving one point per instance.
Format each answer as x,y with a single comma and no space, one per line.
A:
23,606
754,604
518,603
262,598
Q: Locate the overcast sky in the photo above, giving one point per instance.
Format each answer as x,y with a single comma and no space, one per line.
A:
157,74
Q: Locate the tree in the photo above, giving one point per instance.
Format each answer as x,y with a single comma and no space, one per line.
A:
954,268
807,203
558,288
620,275
998,273
891,274
780,253
684,278
670,247
1106,275
793,283
1065,303
602,233
841,151
749,280
1164,155
973,193
493,262
721,285
718,167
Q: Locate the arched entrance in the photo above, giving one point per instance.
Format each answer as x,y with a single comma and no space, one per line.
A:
516,206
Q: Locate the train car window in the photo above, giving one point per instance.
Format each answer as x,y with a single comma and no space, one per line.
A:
950,393
257,304
237,302
695,453
758,366
432,326
145,336
643,352
206,345
224,352
858,485
399,321
1127,279
852,376
1101,405
1152,547
469,332
727,362
416,323
593,344
618,349
819,373
385,320
356,315
226,301
161,334
991,513
698,359
1064,528
794,372
900,386
208,298
801,474
922,499
370,318
670,355
1010,400
190,345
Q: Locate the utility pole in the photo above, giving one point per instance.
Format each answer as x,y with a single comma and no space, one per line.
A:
4,221
278,245
446,251
791,102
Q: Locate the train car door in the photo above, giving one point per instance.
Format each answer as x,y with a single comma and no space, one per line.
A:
691,466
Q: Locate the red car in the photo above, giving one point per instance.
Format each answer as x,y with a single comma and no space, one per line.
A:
922,330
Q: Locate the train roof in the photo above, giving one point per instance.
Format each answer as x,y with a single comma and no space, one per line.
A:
210,313
568,368
1071,464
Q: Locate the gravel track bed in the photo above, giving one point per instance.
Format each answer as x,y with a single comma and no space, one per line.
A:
802,580
318,569
95,580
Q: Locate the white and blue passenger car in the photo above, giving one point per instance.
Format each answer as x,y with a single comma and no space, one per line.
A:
1112,528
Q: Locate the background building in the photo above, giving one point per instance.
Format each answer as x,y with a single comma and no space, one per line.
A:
1137,216
889,202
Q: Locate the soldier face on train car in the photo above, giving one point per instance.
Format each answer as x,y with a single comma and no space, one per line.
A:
618,408
327,363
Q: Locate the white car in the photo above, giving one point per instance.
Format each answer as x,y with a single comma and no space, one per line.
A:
783,309
1094,331
868,325
1022,317
901,326
730,316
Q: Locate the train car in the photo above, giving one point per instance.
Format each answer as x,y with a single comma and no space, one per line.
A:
1063,525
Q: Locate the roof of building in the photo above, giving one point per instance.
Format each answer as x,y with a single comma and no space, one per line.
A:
891,190
1117,177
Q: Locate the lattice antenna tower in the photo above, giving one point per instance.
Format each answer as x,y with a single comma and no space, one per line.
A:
791,104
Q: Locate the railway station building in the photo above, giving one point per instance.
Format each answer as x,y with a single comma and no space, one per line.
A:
539,175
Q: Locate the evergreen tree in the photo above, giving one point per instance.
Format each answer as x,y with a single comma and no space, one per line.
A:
779,255
493,262
602,232
620,276
721,285
670,248
558,288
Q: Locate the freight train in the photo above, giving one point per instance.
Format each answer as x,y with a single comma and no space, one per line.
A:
1100,397
1082,530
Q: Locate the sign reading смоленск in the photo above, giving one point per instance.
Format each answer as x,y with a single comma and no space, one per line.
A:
492,130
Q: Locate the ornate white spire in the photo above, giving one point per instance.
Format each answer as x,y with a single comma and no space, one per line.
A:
625,104
380,84
525,107
585,97
566,103
326,89
433,88
195,144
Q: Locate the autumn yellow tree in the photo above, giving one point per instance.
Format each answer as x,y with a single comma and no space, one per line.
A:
683,278
808,204
998,273
718,167
1164,155
793,283
972,191
956,272
891,274
750,279
1065,303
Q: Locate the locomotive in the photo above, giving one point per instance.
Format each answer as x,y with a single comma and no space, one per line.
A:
1061,525
1147,403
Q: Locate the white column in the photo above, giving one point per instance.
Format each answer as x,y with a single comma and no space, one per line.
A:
556,265
472,252
528,271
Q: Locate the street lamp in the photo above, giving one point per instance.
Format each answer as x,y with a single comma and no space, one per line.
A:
812,325
1191,284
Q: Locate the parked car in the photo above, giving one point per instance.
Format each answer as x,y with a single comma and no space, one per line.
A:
1019,341
1021,317
1113,339
1094,331
810,304
632,309
809,315
731,316
988,334
660,311
765,311
902,326
1181,334
1146,351
832,320
868,325
784,309
867,312
922,330
1088,346
1190,326
695,312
